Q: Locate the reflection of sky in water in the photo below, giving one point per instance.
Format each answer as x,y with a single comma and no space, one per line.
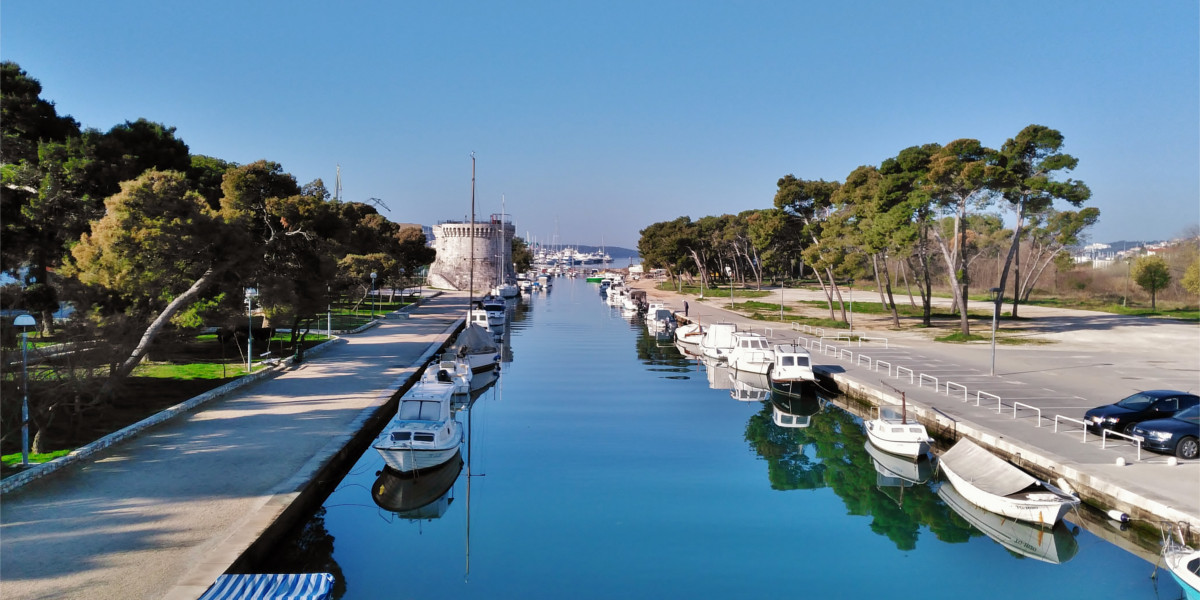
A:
604,466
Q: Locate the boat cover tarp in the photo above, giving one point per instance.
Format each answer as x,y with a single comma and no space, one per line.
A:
256,586
985,470
475,340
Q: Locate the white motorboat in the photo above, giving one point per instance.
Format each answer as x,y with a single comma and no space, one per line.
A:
792,371
997,486
449,370
497,312
477,316
660,321
749,387
1183,561
423,434
689,334
1055,547
751,352
507,290
718,340
476,345
892,431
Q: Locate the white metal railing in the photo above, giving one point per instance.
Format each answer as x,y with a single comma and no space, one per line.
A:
1104,433
979,398
868,339
884,362
769,331
912,378
1084,425
1033,408
923,377
831,350
797,327
859,360
964,389
815,344
844,352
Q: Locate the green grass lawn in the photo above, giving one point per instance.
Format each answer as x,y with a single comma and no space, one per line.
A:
11,462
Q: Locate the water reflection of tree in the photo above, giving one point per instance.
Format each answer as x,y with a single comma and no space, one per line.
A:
309,551
830,453
661,353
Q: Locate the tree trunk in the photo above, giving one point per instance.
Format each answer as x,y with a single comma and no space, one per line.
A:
907,286
959,301
838,291
1016,280
156,327
828,292
1013,250
887,282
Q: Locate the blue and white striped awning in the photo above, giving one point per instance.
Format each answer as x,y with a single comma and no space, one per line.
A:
252,586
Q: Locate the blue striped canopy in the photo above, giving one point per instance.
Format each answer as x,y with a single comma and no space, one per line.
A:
253,586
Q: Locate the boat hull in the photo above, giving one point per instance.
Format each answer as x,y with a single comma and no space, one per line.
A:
903,440
1041,512
1177,560
407,460
1056,547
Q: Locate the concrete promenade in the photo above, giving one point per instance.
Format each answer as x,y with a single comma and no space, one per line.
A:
1083,359
160,515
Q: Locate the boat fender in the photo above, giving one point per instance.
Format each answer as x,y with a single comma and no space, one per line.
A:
1118,516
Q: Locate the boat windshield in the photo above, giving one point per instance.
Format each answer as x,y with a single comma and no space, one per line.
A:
419,410
1137,401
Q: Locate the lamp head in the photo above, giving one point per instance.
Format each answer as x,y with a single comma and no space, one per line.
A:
24,321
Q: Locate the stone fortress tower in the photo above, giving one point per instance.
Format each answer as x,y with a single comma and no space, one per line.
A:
492,239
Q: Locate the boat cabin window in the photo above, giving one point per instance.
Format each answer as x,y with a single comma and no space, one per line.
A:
400,436
419,410
787,361
801,361
422,437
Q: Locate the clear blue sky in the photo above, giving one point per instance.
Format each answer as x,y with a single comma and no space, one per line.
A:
612,115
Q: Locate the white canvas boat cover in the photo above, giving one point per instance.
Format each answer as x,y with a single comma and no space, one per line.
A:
984,470
475,340
294,586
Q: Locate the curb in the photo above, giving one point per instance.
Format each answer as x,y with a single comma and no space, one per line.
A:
15,481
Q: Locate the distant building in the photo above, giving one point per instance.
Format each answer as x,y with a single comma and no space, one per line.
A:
492,242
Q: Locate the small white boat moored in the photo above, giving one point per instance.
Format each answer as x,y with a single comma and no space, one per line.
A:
451,371
689,334
792,371
995,485
423,434
893,432
1183,561
718,340
751,353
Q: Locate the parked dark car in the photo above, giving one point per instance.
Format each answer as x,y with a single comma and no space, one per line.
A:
1177,435
1142,406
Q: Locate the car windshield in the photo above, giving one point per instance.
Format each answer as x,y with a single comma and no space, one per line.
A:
1137,401
1191,415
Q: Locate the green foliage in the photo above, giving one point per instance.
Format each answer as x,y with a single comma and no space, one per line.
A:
521,255
1191,278
1152,274
200,313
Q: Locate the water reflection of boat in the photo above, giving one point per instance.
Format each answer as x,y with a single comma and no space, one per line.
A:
1055,546
898,471
795,411
417,496
718,374
1000,487
749,387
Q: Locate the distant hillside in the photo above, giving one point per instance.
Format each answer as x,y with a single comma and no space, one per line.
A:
613,251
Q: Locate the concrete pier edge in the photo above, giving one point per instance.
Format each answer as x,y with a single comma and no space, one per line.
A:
1094,490
248,541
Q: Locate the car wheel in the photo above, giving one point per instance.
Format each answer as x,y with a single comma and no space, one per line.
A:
1188,448
1129,429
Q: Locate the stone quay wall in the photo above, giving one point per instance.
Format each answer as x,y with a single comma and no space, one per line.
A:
453,240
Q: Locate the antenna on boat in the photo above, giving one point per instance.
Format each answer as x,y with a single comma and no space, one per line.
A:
903,402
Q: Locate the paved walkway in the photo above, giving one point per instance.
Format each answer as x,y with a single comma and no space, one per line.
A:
164,513
1088,359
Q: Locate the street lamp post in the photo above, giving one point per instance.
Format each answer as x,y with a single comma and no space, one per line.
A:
373,275
24,322
729,274
329,312
251,293
997,297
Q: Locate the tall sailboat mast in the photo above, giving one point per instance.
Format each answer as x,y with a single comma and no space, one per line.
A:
471,277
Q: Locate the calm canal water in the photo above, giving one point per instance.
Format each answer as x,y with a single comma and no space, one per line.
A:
603,465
